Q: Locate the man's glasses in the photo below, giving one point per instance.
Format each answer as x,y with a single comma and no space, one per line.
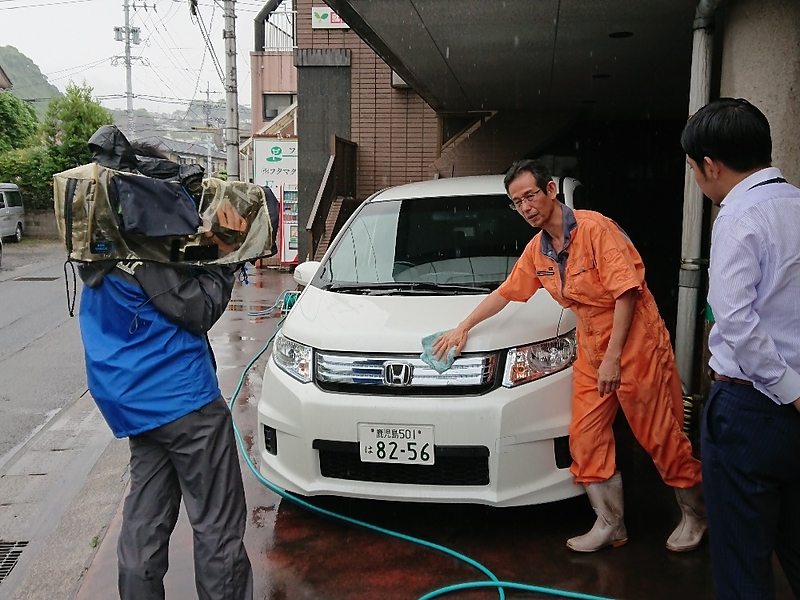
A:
526,199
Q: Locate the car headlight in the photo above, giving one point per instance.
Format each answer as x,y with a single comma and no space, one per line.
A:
529,363
292,357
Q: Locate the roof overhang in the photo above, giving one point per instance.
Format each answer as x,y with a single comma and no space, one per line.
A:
463,56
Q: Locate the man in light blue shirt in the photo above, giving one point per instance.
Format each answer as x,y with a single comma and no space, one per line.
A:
750,445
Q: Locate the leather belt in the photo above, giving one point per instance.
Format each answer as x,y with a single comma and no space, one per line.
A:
717,377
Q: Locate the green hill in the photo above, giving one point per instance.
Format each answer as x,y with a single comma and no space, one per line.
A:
27,80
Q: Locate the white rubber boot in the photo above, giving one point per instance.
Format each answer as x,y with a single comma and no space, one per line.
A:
609,529
689,532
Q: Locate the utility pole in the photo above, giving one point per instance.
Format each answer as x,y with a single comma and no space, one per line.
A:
231,94
208,127
129,35
128,75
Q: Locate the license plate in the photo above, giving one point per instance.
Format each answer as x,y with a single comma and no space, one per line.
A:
409,444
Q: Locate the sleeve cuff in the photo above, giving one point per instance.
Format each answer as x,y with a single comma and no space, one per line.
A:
787,390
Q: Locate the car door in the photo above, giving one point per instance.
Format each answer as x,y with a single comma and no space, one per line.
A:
5,216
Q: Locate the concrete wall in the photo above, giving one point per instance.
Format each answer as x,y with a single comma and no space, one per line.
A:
761,62
492,146
40,224
323,83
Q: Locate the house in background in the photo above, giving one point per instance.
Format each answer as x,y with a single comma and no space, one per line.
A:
189,153
5,82
273,87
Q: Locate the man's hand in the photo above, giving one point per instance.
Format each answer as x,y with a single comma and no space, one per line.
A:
489,306
796,404
608,376
456,337
229,218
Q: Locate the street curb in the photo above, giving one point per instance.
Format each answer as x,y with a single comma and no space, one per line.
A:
61,491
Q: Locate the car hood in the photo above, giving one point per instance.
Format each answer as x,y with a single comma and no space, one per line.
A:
344,322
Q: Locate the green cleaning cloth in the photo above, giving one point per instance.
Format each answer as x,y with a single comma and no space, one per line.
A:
427,356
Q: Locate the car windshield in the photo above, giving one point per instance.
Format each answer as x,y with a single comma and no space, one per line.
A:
459,244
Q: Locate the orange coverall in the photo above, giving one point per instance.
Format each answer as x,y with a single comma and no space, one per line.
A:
597,264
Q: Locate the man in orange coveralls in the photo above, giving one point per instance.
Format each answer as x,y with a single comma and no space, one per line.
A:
587,264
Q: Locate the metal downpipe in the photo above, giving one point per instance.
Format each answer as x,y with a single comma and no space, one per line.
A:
691,262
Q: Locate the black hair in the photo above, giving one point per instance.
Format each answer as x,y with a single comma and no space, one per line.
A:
731,131
535,167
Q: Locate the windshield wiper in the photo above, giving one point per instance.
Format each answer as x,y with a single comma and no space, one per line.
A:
387,288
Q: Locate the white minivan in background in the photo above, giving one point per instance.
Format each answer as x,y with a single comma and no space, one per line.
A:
348,408
12,212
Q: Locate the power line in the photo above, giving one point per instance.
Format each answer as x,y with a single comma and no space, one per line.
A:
81,69
166,49
207,39
42,5
197,83
91,64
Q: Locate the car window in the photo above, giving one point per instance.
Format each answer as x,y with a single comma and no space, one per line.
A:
464,240
14,199
2,199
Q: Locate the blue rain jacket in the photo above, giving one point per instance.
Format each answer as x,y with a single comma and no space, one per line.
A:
148,360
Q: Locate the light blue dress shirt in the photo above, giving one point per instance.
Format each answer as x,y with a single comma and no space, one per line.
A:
754,286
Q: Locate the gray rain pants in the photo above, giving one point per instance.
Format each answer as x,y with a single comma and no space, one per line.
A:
194,457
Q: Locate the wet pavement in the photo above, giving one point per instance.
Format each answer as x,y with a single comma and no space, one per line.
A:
299,555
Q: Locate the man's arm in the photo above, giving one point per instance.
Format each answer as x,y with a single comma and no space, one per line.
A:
192,297
489,306
609,373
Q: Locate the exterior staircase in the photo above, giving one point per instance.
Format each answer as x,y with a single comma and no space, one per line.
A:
330,228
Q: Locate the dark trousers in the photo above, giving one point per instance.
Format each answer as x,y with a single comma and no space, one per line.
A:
751,477
195,458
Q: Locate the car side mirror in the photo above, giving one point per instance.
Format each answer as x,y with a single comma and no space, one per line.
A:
304,272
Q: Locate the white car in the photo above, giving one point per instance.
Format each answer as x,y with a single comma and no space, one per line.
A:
348,407
12,212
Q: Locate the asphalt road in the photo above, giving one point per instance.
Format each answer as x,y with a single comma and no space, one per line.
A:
41,356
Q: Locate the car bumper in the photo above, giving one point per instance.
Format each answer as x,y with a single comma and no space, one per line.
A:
515,430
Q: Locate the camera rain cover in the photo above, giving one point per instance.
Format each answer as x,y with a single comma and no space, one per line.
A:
153,207
104,214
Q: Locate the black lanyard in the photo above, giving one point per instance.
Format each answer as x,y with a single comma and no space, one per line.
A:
767,182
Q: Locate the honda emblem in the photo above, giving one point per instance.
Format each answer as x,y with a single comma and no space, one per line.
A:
397,374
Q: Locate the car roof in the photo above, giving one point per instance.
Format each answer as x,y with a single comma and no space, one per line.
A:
477,185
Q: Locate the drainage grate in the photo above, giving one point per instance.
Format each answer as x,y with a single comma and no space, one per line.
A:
9,555
35,278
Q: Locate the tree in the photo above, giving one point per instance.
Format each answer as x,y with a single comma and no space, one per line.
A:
31,169
69,123
18,122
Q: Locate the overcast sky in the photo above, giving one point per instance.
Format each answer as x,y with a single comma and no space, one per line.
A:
74,40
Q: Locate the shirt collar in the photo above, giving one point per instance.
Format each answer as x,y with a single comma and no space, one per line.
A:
569,223
745,184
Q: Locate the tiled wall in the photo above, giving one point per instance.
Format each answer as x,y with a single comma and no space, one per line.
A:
396,131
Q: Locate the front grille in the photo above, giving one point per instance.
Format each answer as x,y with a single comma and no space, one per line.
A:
461,465
367,374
